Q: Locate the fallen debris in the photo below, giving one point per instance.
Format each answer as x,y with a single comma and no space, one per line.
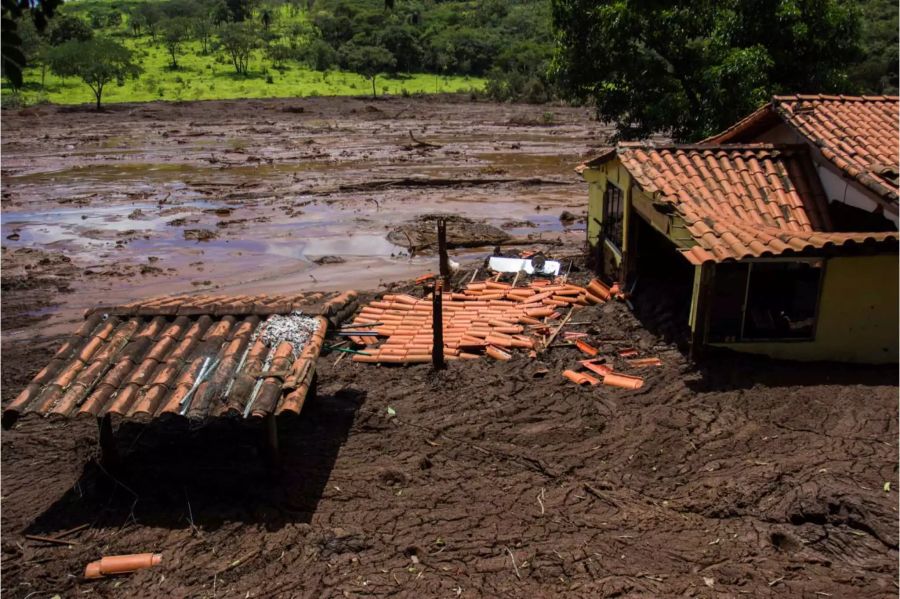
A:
625,381
643,362
121,564
594,366
516,265
580,378
586,347
485,314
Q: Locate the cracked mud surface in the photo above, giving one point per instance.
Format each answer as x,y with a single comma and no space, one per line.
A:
743,478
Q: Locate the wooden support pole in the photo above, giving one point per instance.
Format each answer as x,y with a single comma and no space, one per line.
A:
437,327
109,454
273,455
703,298
442,250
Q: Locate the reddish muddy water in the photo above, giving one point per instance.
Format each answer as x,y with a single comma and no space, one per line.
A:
244,196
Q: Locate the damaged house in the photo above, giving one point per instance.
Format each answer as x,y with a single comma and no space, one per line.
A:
777,236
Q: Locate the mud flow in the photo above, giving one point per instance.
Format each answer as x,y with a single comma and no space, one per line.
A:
735,477
260,197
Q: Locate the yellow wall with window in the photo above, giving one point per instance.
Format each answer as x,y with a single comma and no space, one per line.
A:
858,315
598,178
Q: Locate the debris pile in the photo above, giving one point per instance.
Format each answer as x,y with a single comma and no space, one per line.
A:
294,328
487,318
597,365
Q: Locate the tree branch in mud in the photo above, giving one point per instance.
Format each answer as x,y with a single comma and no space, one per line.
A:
422,144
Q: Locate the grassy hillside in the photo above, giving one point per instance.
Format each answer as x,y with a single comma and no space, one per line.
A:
208,77
306,48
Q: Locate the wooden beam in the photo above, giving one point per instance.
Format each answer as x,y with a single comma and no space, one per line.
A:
437,327
109,453
442,250
703,301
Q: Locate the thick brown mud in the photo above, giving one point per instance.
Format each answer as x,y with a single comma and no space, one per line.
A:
489,479
249,196
740,477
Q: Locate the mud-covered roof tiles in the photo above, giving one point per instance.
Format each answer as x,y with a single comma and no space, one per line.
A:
196,357
857,134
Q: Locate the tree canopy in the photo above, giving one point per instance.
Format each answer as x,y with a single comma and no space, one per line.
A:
175,32
367,61
97,62
239,41
12,55
690,68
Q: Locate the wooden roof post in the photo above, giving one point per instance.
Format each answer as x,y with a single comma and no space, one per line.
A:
702,303
437,327
109,454
442,250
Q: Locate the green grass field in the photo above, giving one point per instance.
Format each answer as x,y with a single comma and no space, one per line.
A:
212,77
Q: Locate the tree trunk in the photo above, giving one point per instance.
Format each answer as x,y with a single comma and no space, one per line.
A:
373,87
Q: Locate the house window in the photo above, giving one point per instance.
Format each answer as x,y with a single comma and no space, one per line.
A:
770,300
613,213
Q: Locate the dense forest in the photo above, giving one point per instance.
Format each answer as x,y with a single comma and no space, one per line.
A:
523,50
224,48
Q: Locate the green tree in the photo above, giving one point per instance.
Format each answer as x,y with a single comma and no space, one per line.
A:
691,68
367,61
403,42
239,40
148,15
97,62
203,30
12,54
69,27
877,72
175,32
35,46
319,55
279,54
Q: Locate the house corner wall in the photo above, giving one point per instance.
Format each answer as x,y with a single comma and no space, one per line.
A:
858,315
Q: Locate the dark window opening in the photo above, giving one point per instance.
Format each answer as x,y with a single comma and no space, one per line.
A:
613,215
765,300
727,310
846,218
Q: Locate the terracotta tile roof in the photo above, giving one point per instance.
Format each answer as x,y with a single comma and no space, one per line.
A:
199,357
858,134
739,201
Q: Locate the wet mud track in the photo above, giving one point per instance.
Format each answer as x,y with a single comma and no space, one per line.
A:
267,196
743,478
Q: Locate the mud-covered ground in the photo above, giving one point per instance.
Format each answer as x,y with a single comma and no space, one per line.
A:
741,477
270,195
745,477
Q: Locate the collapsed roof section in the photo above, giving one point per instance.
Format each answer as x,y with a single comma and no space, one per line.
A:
197,357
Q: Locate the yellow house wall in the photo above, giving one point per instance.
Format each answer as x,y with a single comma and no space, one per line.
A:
858,315
598,178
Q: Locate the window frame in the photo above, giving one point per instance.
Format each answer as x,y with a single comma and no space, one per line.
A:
815,325
614,192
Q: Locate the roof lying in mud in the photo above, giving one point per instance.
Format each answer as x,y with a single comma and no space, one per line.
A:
197,357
